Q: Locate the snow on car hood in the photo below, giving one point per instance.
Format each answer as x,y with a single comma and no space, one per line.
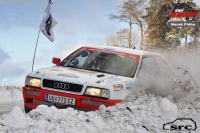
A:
80,76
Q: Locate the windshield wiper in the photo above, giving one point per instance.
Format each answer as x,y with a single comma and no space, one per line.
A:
74,67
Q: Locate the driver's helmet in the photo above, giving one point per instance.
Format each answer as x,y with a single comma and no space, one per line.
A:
102,59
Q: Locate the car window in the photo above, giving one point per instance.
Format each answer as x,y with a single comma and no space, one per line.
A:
102,61
80,59
149,64
117,64
154,65
77,59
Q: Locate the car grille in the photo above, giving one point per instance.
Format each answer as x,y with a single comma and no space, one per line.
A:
64,86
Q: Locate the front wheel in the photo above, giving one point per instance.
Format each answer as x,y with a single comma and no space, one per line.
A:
26,109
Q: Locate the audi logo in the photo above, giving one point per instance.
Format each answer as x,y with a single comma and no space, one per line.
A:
63,86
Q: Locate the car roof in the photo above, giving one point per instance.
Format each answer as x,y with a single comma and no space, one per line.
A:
122,49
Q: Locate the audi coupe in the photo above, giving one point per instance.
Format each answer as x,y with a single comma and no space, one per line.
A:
89,77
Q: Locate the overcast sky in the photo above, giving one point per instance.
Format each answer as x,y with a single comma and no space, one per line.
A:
80,22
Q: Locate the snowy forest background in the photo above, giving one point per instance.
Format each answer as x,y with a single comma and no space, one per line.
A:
151,18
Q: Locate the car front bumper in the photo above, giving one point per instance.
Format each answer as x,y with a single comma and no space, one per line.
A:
36,96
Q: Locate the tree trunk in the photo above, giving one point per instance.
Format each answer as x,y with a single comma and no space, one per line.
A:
185,40
129,38
195,41
142,36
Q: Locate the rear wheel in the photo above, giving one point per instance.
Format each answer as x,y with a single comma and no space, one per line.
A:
26,109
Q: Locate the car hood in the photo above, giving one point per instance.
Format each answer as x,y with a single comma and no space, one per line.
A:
80,76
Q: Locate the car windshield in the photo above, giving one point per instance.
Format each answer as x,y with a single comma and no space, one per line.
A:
102,61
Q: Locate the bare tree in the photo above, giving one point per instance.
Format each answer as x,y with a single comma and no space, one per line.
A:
121,39
132,12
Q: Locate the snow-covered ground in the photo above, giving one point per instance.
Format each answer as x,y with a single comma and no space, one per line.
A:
9,97
143,112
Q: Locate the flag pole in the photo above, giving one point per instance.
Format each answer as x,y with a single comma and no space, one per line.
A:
36,47
47,10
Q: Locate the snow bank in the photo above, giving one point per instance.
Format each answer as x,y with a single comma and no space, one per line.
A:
146,113
15,118
168,108
10,95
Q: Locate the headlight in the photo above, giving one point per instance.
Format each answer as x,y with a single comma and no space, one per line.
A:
92,91
35,82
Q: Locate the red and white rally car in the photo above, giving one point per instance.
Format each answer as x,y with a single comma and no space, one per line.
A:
89,77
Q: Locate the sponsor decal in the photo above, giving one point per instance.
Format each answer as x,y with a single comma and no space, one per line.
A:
109,49
108,80
128,84
132,56
135,57
68,75
118,87
181,124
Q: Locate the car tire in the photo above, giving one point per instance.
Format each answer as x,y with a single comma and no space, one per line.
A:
26,109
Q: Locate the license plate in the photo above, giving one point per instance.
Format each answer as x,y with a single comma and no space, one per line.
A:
60,99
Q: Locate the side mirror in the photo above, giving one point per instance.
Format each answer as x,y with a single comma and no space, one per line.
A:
56,61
